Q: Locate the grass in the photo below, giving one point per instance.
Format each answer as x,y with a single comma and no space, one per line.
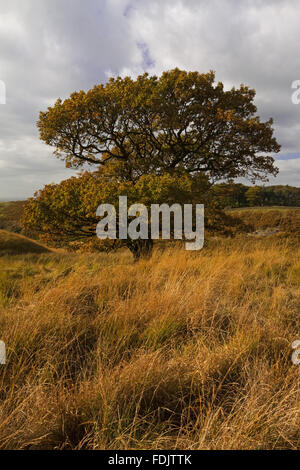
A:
264,208
285,220
13,244
187,350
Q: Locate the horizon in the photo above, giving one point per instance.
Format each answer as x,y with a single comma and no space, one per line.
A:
249,185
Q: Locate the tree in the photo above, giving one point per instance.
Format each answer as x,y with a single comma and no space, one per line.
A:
230,194
65,214
254,196
182,120
181,126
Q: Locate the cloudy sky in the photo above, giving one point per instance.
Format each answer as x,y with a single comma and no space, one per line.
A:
49,48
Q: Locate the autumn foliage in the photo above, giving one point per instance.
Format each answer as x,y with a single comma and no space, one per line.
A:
65,214
153,125
154,140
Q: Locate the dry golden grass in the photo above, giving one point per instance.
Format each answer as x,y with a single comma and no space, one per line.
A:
14,244
285,219
183,351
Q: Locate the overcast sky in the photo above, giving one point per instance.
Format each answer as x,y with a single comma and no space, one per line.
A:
49,48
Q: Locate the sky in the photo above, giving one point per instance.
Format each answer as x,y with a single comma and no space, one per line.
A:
50,48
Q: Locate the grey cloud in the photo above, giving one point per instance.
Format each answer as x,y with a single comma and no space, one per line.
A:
50,48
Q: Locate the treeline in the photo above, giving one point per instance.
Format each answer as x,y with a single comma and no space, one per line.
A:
230,195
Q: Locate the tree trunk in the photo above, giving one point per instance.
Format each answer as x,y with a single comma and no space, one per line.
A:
140,248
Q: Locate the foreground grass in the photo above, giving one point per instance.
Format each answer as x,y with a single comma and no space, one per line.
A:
184,351
13,244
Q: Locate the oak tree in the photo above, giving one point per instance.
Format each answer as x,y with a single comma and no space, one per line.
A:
181,120
64,214
154,139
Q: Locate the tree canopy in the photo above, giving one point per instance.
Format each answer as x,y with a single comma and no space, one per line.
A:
64,214
153,125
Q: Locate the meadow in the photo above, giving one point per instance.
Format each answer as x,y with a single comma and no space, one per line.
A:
187,350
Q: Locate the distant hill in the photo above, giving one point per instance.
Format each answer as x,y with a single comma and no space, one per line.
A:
10,215
15,244
284,219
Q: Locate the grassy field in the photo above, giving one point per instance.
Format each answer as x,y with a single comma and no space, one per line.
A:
283,219
265,209
14,244
182,351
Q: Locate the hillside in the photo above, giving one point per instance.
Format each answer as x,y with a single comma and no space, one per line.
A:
283,219
15,244
183,351
187,350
